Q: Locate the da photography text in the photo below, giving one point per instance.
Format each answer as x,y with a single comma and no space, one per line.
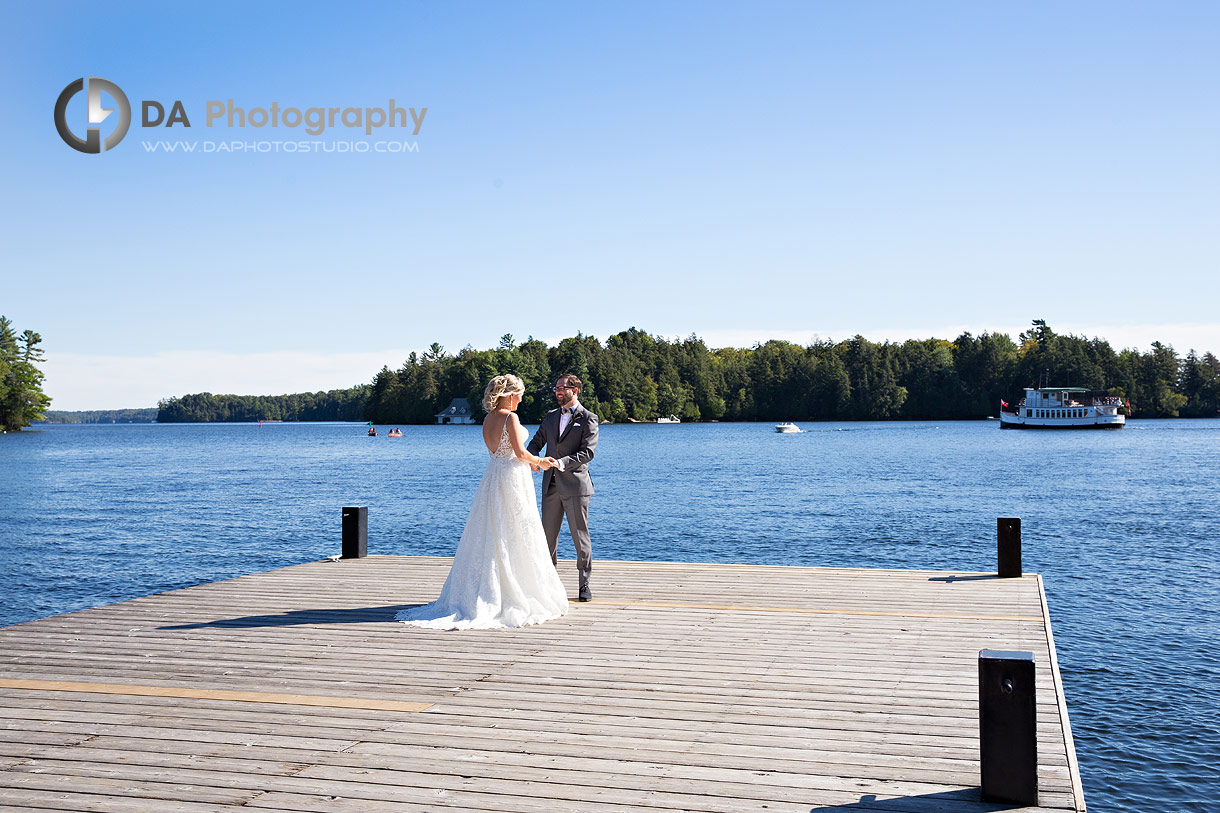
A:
275,123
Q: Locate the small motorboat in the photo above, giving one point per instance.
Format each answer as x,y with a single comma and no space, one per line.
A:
372,432
787,428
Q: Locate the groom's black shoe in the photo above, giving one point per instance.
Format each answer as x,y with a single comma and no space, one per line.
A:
585,594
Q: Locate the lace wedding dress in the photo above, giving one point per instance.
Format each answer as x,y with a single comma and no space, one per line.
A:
502,575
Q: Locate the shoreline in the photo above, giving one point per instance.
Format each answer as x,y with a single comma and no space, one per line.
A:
760,421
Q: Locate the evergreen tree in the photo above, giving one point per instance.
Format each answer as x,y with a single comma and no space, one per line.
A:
987,367
1160,380
928,372
875,391
22,400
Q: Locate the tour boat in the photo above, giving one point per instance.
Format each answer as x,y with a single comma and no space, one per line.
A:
670,419
1063,408
787,427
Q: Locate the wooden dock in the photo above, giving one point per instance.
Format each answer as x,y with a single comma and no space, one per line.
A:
681,687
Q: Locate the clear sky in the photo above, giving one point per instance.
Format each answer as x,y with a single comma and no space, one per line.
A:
740,171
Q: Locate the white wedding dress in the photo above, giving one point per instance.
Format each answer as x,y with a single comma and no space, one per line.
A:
502,575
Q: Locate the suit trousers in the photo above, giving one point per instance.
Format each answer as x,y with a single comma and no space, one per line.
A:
576,508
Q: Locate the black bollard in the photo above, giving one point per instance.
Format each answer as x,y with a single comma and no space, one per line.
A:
355,532
1008,544
1008,734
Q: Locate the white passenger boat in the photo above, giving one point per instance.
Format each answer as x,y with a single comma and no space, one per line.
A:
670,419
787,427
1063,408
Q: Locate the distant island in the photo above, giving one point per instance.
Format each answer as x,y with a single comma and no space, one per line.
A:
635,376
147,415
204,407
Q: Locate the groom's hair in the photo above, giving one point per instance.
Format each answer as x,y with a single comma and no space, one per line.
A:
570,380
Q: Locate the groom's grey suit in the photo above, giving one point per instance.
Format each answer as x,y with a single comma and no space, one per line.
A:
568,491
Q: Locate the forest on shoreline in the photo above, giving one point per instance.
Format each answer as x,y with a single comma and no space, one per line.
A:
636,376
204,407
145,415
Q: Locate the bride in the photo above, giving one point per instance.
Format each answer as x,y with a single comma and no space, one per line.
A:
502,575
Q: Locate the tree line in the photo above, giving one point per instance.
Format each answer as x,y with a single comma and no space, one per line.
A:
635,376
146,415
22,400
204,407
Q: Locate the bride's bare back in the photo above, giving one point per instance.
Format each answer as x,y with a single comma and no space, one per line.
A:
496,424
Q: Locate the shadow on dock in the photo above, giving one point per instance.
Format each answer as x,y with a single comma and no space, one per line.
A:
292,618
923,802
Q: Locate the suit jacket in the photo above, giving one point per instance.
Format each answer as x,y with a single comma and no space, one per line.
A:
575,447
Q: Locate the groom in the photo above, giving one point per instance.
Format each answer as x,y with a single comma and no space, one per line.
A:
570,435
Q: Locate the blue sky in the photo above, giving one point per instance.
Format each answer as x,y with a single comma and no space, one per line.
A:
740,171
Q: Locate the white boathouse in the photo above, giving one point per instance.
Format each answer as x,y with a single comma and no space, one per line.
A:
456,412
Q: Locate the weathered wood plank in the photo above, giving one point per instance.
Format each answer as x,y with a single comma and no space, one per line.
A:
70,783
33,799
625,755
418,784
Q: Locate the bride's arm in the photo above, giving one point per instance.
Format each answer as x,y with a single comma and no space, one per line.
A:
514,438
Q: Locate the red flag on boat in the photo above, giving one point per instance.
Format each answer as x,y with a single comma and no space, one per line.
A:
1003,402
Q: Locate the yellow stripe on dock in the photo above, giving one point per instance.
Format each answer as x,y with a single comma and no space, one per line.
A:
214,694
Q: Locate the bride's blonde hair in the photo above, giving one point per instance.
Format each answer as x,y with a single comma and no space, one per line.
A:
500,386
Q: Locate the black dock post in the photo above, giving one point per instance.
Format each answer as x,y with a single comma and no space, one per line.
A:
1008,734
1008,543
355,532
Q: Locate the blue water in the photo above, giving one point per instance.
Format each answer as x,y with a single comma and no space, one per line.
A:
1123,525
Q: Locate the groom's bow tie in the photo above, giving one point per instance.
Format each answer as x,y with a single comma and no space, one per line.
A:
565,410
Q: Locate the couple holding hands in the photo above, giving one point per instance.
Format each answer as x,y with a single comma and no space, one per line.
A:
503,572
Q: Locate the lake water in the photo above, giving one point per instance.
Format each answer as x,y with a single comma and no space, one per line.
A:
1123,525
